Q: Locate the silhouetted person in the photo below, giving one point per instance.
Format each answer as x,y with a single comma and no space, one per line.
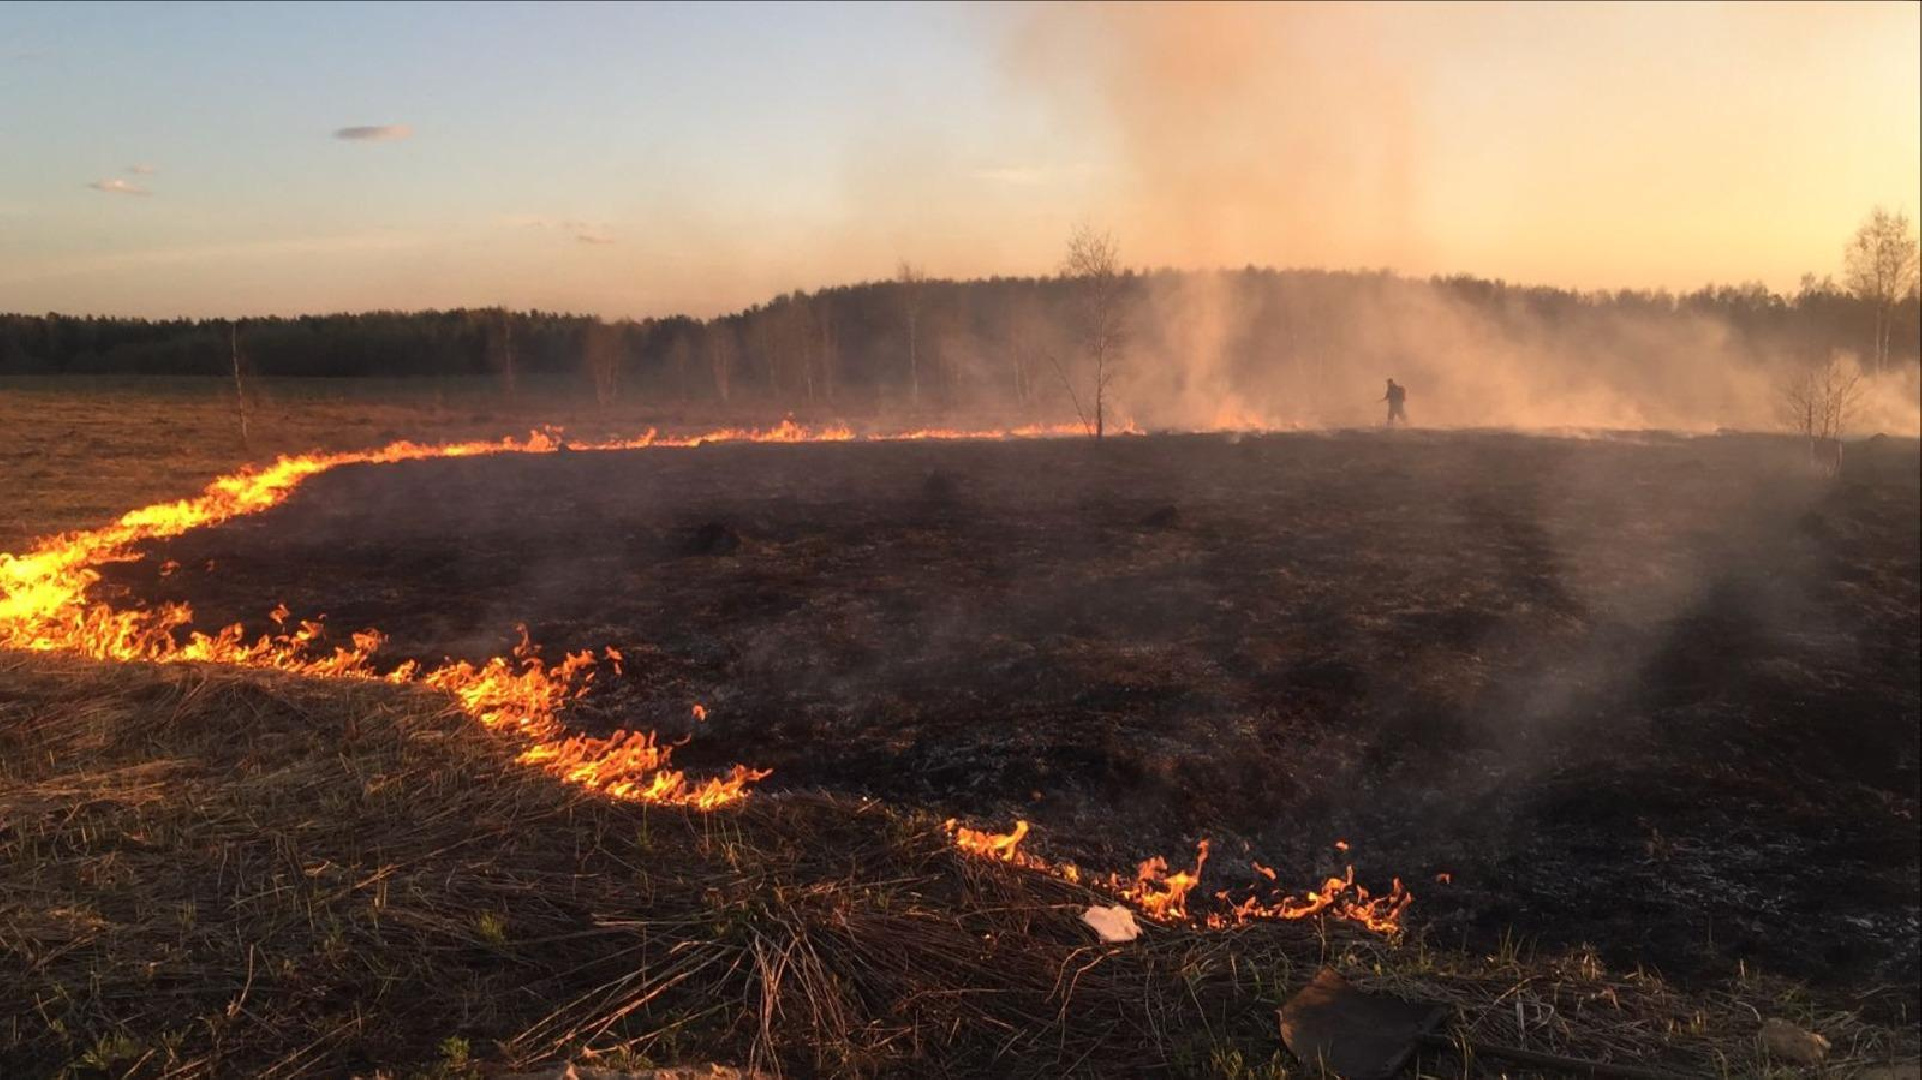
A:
1397,399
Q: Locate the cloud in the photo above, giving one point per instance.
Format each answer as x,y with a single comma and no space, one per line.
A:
586,232
142,170
1022,175
119,187
218,254
374,133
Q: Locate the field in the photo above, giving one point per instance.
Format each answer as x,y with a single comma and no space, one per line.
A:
1611,707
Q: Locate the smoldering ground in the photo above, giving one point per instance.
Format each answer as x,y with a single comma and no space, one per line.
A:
1649,693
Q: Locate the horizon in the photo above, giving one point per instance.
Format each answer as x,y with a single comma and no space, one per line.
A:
614,161
1600,294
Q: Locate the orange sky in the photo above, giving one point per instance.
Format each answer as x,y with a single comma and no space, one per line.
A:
635,161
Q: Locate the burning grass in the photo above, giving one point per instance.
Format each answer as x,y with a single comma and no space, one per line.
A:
320,867
1652,695
45,606
217,872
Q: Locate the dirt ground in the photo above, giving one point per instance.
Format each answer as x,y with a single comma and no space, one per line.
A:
1655,695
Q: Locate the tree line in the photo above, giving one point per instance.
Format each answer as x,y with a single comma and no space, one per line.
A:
927,341
928,334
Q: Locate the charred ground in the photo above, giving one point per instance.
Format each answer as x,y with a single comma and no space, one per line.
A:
1655,694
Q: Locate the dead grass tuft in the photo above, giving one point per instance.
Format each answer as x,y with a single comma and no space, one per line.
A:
210,872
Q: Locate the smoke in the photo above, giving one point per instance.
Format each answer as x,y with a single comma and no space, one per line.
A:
1244,132
1286,135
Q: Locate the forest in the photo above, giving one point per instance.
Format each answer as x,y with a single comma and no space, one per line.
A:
1254,335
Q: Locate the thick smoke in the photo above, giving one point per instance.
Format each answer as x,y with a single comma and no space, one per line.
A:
1279,136
1211,350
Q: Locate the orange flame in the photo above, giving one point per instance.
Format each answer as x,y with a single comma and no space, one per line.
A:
1338,897
1004,847
1159,894
44,608
1163,896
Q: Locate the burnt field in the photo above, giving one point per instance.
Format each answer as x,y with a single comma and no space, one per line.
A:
1653,694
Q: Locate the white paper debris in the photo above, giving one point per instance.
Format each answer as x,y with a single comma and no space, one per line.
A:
1112,923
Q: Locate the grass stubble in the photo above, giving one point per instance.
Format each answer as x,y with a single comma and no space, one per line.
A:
213,872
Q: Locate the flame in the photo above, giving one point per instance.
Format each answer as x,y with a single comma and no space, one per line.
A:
1006,847
1003,847
1163,896
1234,414
1159,894
1339,897
44,608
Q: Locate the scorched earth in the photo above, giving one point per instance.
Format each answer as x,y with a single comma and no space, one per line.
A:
1654,694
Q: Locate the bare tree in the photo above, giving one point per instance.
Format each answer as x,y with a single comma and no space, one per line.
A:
795,340
1816,403
240,387
1024,331
502,348
913,288
1880,268
602,355
680,353
760,343
722,353
829,353
1092,269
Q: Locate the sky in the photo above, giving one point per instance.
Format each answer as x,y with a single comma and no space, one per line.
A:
247,159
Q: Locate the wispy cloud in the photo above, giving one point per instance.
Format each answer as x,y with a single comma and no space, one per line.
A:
1031,175
219,253
117,186
374,133
142,170
586,232
1023,175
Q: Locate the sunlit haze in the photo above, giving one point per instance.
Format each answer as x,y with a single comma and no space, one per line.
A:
628,161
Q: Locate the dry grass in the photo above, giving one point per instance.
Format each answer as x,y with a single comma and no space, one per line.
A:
81,451
206,872
215,873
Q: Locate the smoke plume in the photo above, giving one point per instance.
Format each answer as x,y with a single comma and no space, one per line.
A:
1282,136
